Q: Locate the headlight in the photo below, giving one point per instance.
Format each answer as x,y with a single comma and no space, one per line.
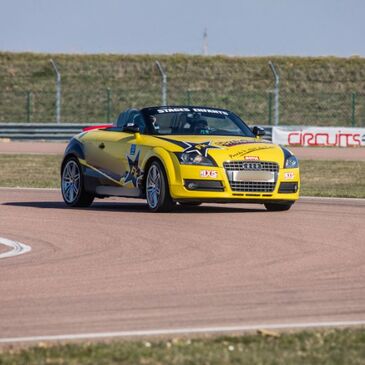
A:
291,162
194,158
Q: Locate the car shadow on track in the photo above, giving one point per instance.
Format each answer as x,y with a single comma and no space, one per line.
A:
137,207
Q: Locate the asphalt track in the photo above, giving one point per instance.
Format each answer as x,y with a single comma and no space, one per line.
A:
117,269
317,153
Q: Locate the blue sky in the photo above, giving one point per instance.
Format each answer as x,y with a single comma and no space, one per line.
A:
235,27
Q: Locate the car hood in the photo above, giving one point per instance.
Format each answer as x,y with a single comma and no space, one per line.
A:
225,148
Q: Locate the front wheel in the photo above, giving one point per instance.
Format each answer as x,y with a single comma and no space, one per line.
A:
72,185
157,189
278,207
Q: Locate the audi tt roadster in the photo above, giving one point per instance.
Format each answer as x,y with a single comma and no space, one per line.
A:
179,154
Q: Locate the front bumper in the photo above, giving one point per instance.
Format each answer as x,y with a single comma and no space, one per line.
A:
213,185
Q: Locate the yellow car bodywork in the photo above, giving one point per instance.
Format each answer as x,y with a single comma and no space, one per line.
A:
122,159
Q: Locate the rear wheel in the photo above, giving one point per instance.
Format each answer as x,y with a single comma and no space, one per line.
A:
72,185
157,189
278,207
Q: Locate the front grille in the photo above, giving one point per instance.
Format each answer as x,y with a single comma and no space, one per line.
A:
251,165
252,186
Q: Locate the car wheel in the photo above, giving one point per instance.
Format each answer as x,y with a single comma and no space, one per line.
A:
72,185
190,204
278,207
157,189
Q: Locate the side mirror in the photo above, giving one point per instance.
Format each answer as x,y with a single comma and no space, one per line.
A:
131,128
258,131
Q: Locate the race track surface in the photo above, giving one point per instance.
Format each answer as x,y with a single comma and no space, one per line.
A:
47,148
117,267
307,153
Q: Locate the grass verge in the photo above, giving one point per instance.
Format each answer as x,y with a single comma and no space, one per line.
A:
34,171
319,178
344,346
333,178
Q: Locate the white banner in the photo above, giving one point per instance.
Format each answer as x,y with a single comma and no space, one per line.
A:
319,136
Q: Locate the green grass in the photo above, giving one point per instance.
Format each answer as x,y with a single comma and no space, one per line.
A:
333,178
314,90
310,347
36,171
319,178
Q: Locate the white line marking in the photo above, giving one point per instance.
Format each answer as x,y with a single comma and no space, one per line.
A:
182,331
17,248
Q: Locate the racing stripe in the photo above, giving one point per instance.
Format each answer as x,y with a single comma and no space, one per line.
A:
84,163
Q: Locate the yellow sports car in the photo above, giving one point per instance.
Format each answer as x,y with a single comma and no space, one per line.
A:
179,154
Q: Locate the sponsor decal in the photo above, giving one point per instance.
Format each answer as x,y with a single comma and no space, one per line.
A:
319,136
197,110
252,158
238,142
200,148
213,111
245,152
189,147
172,110
209,174
135,173
289,175
132,150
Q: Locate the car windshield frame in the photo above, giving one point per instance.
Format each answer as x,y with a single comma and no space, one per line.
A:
204,112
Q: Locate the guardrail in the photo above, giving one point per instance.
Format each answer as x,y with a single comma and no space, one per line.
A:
39,131
54,132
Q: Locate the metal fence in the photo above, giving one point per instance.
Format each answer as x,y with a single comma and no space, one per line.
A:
99,106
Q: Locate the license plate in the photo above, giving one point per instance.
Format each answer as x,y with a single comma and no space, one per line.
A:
259,176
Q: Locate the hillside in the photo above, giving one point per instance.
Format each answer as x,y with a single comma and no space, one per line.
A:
312,90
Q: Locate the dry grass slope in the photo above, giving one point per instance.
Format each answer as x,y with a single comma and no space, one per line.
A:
313,90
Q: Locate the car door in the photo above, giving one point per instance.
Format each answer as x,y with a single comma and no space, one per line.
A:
127,151
116,154
101,155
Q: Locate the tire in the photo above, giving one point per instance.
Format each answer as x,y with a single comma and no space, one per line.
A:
190,204
278,207
72,185
157,189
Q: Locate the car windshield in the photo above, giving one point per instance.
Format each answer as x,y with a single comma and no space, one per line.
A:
195,121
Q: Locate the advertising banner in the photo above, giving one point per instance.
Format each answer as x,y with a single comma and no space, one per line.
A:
319,136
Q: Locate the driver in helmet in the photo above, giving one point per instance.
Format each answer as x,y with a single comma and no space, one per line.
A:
201,126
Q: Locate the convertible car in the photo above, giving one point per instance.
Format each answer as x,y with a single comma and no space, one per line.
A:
179,154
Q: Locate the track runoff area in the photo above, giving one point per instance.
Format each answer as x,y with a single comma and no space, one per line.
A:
116,270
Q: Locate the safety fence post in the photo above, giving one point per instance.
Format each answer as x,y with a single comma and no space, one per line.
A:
58,91
276,91
188,96
270,107
29,106
353,107
163,83
108,104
